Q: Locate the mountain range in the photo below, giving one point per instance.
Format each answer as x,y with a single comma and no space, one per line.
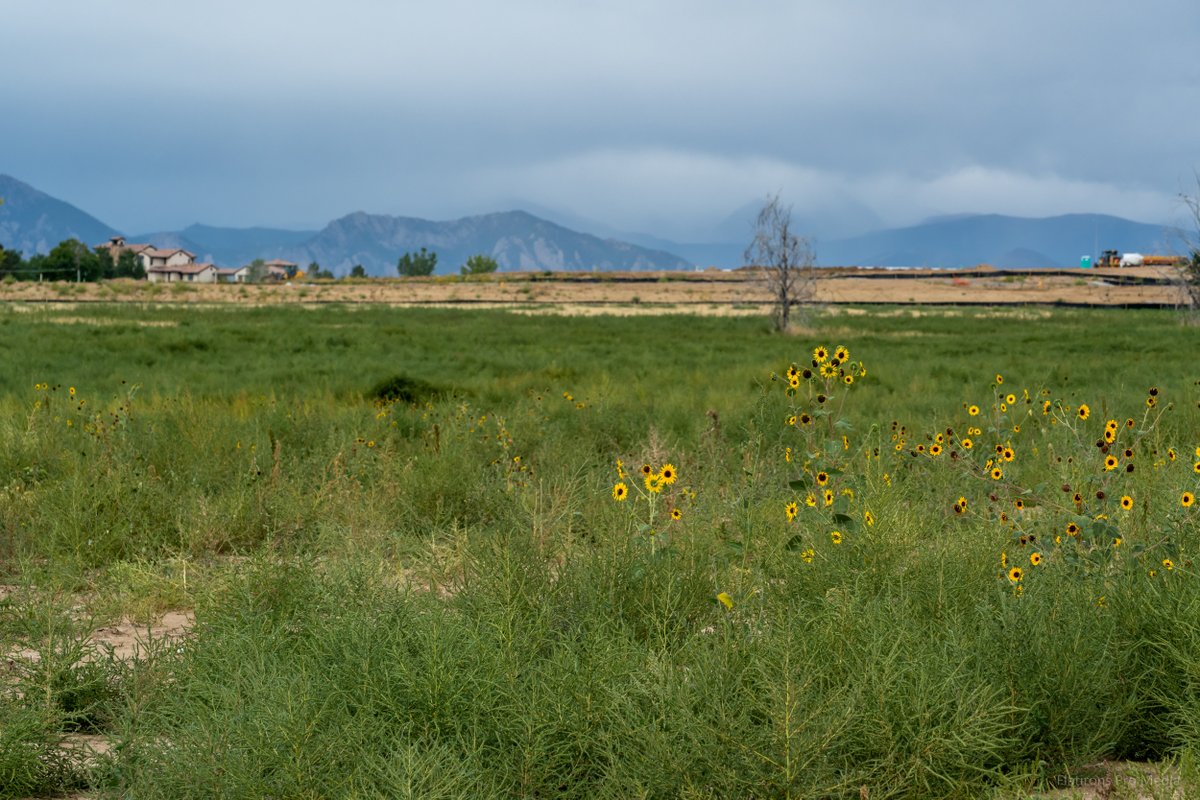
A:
33,222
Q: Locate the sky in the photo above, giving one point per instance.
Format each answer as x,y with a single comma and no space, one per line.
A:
656,117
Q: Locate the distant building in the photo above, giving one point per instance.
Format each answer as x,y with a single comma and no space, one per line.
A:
289,267
148,254
182,273
270,271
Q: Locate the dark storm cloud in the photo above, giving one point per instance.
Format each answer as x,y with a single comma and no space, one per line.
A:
661,116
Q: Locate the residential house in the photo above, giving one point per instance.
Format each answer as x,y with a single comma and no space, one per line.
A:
268,271
148,254
186,273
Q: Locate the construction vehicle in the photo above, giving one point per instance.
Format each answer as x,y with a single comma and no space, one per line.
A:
1112,258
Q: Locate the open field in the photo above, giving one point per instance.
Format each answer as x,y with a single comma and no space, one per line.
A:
709,292
446,552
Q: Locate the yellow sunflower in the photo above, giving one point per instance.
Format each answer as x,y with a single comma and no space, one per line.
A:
619,492
1084,412
668,475
1015,574
820,354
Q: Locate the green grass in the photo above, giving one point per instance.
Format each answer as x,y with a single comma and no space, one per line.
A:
435,595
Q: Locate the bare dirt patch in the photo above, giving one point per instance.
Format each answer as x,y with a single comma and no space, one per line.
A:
711,292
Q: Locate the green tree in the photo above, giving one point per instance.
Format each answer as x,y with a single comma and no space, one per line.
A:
358,271
479,265
129,266
11,263
257,271
412,265
72,260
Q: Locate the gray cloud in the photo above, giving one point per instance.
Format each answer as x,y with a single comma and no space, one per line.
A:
662,116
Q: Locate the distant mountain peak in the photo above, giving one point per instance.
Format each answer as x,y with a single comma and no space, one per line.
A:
32,221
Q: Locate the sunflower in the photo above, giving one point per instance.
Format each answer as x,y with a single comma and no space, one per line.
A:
999,378
647,469
1151,402
1126,502
791,509
1008,454
1072,529
1084,412
811,501
787,454
962,502
997,473
836,537
967,444
1003,407
1015,574
793,371
828,497
1019,504
1187,500
791,420
869,518
653,483
676,514
1110,463
1196,467
1010,399
1168,564
848,379
794,381
935,450
820,354
619,492
1110,435
822,478
841,354
829,371
668,475
973,410
806,418
1035,558
1045,407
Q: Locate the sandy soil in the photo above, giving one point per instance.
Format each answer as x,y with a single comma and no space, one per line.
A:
711,292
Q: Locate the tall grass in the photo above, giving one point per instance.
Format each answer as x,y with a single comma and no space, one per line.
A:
439,596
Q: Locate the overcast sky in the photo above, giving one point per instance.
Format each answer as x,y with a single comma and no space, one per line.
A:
662,117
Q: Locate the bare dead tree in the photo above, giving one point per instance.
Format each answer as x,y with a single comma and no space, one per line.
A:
785,259
1190,270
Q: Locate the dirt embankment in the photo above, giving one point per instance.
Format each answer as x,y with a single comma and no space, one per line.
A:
707,292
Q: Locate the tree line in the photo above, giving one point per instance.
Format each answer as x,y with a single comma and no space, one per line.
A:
70,260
